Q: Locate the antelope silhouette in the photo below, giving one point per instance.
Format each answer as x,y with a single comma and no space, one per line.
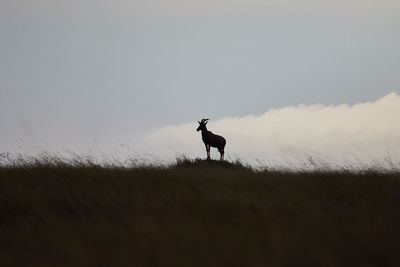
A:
211,140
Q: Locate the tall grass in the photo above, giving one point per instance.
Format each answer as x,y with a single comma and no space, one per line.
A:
195,213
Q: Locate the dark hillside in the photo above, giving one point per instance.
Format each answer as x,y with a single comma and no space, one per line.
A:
197,213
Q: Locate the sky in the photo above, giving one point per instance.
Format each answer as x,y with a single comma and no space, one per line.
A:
111,76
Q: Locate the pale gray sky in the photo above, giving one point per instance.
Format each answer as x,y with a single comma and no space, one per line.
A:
72,72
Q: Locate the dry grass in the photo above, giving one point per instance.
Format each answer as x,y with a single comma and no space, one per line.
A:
196,213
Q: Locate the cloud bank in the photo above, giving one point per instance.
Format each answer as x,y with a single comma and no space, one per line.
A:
365,134
190,7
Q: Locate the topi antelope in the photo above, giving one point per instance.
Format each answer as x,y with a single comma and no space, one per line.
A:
211,140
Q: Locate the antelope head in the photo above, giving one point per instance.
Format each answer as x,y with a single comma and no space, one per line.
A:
202,124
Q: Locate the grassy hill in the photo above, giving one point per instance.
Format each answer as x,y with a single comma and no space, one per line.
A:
196,213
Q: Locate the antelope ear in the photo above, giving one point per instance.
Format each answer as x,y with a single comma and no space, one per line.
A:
206,123
198,122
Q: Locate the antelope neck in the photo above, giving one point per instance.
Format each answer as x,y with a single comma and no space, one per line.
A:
204,132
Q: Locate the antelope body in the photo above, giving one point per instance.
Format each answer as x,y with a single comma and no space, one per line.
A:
211,140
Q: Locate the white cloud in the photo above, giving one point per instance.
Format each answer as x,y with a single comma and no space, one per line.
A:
359,135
